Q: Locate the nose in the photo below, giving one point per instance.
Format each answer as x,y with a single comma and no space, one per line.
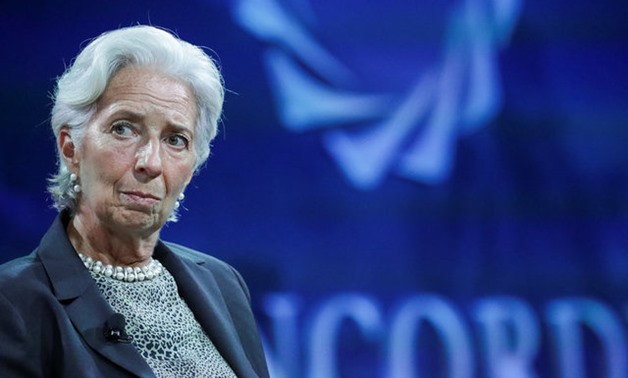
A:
148,164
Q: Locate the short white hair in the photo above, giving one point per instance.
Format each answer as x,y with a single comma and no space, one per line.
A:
82,84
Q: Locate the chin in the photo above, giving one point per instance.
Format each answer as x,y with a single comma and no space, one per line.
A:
139,220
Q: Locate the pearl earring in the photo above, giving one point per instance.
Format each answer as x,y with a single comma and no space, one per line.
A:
179,199
74,180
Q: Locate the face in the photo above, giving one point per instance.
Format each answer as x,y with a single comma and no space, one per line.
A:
137,154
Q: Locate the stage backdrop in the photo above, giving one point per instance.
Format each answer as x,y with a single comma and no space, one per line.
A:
412,188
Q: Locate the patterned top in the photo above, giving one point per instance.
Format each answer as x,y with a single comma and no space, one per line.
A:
163,327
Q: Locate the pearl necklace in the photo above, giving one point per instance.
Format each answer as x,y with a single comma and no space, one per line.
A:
123,273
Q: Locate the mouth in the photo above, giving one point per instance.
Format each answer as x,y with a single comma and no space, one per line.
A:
141,198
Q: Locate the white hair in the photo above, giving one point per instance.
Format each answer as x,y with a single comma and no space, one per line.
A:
82,84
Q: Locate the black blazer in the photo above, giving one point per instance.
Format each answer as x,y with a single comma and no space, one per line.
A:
52,313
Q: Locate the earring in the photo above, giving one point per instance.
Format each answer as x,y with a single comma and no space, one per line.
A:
179,199
74,180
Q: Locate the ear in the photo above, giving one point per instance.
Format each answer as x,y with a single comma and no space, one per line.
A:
67,148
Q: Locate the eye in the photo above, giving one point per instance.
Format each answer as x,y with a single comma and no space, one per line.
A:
177,141
123,129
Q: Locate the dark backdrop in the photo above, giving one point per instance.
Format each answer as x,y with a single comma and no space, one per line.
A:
411,188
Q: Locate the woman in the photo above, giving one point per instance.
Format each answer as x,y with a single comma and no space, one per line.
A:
133,118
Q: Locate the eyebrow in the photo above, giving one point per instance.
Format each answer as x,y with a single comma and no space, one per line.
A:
126,113
134,116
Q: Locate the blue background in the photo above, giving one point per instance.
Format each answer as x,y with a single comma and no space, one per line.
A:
533,205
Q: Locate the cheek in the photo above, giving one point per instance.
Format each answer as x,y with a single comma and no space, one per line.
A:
102,169
180,175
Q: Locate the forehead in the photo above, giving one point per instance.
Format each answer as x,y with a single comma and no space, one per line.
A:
139,89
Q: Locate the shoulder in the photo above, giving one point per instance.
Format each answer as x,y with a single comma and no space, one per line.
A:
198,257
25,285
20,270
18,263
222,271
193,254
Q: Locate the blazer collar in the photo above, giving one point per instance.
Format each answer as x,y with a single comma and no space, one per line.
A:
198,286
78,293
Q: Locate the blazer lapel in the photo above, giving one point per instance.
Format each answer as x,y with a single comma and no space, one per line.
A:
201,292
89,313
83,302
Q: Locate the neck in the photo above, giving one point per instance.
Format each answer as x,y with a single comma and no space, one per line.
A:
109,245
